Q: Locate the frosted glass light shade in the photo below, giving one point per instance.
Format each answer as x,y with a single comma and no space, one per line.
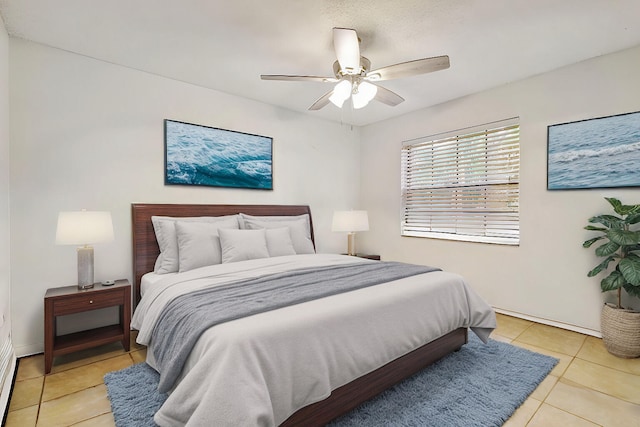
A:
341,93
84,227
365,93
350,221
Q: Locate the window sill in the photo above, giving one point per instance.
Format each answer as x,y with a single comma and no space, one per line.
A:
463,238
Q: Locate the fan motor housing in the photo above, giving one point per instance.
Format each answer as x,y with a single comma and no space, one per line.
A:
365,66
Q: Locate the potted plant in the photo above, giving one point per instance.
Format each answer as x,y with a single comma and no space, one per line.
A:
621,236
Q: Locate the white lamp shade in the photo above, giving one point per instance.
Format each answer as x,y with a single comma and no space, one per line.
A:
84,227
350,221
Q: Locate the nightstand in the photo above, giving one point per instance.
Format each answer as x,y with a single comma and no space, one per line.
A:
367,256
71,300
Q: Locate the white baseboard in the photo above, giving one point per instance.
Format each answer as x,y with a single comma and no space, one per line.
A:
560,325
29,350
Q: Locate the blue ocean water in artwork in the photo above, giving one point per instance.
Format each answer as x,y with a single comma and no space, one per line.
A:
199,155
596,153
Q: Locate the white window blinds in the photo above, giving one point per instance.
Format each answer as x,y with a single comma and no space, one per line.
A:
463,186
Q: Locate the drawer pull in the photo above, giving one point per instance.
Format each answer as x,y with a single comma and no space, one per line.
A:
90,301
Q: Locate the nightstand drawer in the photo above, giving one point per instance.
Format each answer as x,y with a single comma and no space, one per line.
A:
88,301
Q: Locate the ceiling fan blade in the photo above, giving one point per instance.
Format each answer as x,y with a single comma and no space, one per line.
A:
409,68
388,97
298,78
347,47
322,102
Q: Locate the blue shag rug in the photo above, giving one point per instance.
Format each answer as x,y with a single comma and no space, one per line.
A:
480,385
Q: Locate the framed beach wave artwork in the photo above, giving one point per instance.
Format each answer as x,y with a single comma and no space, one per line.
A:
203,155
596,153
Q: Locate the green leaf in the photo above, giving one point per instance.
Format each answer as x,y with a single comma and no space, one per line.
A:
621,209
612,282
633,218
616,204
630,269
608,221
588,243
607,249
624,237
632,290
631,209
602,266
594,228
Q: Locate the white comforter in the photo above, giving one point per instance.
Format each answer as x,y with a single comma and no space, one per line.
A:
258,370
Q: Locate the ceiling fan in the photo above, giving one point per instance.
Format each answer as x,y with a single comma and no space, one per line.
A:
354,76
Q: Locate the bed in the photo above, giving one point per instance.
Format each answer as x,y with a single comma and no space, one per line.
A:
285,395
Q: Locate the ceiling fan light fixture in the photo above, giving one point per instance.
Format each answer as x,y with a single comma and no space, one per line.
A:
352,72
364,93
341,93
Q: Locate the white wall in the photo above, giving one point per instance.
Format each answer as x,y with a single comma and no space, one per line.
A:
5,283
4,183
88,134
545,277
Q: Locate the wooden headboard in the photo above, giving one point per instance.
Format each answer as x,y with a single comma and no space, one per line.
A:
145,245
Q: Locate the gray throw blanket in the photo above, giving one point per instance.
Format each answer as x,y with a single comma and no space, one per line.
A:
186,317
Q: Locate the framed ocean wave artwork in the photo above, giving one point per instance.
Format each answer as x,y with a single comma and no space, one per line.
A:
208,156
603,152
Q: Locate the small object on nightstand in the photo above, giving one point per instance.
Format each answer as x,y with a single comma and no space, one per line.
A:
108,282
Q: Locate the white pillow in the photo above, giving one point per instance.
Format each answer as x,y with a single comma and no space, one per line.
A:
164,227
299,228
241,245
279,242
273,218
199,243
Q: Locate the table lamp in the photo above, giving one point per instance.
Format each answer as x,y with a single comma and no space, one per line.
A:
350,221
84,228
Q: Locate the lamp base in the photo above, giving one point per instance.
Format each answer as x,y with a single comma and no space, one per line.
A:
351,244
85,267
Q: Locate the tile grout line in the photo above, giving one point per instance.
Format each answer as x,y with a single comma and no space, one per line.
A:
575,415
587,387
44,378
70,369
522,332
606,366
547,395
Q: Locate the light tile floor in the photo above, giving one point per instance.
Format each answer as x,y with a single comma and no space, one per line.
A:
588,387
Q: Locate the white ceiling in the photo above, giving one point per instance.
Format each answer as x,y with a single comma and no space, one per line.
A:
226,44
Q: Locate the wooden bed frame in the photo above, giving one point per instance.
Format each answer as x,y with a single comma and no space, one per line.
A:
341,400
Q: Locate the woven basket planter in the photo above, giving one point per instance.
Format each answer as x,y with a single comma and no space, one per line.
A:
621,331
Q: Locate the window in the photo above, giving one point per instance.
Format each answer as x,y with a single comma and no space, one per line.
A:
463,185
